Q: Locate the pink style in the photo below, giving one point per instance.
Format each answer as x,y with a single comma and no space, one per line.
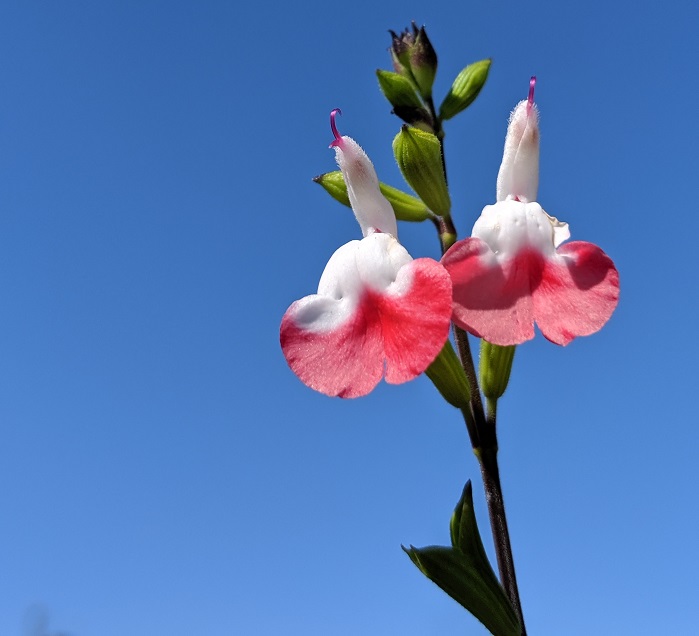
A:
377,313
513,271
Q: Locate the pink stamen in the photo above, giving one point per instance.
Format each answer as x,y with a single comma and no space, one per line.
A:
530,99
338,138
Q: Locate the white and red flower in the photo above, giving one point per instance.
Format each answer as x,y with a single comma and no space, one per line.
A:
513,271
378,313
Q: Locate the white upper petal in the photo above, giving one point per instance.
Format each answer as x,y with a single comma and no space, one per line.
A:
379,258
518,177
371,208
370,264
510,226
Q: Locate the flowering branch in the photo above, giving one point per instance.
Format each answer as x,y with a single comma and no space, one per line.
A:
379,313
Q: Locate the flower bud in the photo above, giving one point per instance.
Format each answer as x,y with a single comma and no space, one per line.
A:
448,376
465,89
423,62
518,177
400,91
414,57
405,206
419,158
495,367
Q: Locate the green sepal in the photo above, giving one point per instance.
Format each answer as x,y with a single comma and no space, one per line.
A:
448,376
419,158
494,369
465,89
464,572
405,206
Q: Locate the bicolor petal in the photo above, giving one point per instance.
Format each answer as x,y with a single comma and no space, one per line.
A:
510,275
377,313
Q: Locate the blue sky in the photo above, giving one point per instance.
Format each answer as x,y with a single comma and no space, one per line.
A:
161,469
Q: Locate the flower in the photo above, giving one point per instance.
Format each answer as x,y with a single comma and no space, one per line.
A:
513,271
377,312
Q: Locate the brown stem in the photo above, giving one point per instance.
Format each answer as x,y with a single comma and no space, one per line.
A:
498,523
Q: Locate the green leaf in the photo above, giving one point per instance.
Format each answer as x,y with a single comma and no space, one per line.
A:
419,157
405,206
464,572
465,89
452,571
464,530
447,374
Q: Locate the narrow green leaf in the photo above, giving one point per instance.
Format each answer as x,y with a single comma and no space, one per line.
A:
479,592
405,206
465,89
464,530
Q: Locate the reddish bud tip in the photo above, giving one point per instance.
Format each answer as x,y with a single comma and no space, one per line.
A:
338,138
530,99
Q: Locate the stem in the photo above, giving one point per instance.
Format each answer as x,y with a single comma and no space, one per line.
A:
464,349
498,523
481,430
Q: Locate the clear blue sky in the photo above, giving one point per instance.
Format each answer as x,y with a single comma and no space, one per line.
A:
162,472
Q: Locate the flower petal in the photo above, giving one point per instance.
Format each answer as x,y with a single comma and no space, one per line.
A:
346,361
577,294
371,208
376,309
415,317
518,176
572,294
492,300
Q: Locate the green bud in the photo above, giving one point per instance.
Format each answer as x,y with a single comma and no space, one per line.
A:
495,366
400,91
423,63
400,51
448,376
335,186
419,157
414,57
465,89
405,206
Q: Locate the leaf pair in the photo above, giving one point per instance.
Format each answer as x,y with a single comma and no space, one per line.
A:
464,572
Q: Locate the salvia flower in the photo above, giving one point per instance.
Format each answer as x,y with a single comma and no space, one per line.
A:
514,270
378,313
